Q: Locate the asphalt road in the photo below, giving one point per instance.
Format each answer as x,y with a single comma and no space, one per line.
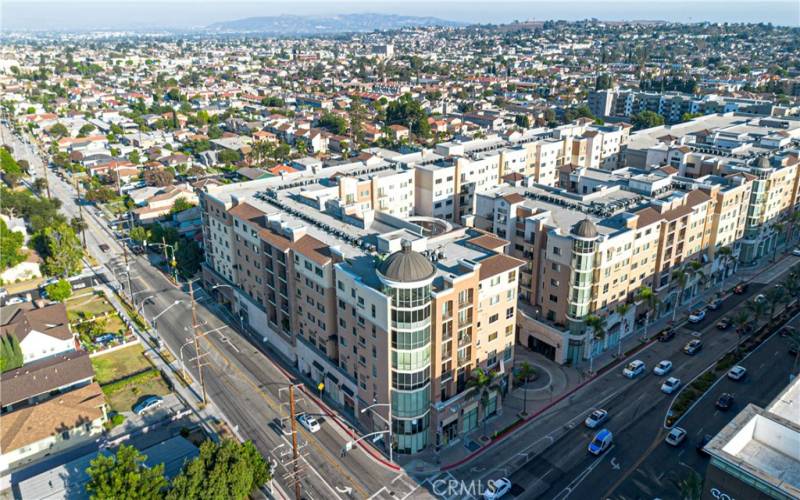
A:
768,371
244,384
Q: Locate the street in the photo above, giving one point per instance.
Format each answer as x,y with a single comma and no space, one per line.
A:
245,385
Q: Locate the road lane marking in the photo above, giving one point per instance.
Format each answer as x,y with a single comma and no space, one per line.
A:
566,492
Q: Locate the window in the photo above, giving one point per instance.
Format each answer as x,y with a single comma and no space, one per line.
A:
493,318
509,330
556,251
509,313
493,336
553,298
512,276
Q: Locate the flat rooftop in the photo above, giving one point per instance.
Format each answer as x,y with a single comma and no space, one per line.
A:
765,443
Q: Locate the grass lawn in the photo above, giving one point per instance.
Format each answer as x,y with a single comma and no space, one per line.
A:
114,323
118,364
125,398
87,306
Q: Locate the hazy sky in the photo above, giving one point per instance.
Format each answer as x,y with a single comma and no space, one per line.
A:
142,14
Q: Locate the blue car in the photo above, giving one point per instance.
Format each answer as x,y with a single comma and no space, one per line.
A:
601,442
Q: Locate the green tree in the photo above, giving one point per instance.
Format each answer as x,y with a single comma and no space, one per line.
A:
134,157
10,247
180,205
483,383
59,291
59,130
78,225
646,119
649,299
333,123
10,353
691,487
189,256
61,250
229,156
124,475
522,121
690,116
409,113
86,130
139,234
775,295
226,470
525,373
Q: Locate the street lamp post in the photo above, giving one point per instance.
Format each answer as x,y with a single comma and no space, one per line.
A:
153,321
387,422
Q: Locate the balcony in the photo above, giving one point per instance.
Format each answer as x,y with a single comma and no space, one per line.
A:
464,340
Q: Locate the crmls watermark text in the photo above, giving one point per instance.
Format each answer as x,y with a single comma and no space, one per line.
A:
447,488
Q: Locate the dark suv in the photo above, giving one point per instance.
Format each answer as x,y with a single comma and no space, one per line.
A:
666,335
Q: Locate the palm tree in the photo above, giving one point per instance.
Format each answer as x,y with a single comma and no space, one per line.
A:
778,228
794,218
725,255
697,270
649,298
483,383
681,276
526,371
757,309
792,285
622,310
691,486
775,295
598,327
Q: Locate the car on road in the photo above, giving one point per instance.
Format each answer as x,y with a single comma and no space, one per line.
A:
738,372
147,404
723,324
676,436
310,423
693,347
137,249
596,418
702,444
725,402
670,385
663,367
601,442
787,331
666,334
714,304
497,488
634,368
796,252
697,316
740,288
760,298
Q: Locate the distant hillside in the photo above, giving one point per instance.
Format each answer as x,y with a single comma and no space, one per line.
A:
312,25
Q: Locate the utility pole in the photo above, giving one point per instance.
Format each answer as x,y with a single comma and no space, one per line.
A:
294,443
80,206
197,344
125,252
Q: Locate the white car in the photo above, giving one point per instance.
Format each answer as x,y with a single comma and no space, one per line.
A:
663,367
697,316
670,385
496,488
596,418
796,252
14,300
634,368
737,372
309,422
676,436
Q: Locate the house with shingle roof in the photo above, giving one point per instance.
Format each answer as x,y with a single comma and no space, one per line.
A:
42,332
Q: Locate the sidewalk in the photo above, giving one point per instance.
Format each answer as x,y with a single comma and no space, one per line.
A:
557,383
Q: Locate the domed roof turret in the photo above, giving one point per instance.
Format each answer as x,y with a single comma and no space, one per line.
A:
406,266
584,229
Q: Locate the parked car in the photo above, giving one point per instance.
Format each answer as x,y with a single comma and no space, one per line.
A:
725,402
596,418
702,444
137,249
15,300
634,368
497,488
663,367
697,316
310,423
738,372
601,442
723,324
693,347
147,404
670,385
740,288
676,436
796,252
666,334
760,298
714,304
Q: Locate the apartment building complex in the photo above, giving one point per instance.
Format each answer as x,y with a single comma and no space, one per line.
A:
393,310
671,105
